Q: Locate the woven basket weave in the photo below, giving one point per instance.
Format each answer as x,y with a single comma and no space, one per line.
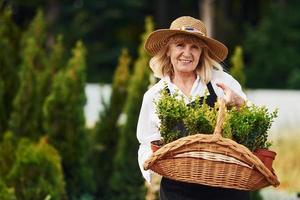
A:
211,160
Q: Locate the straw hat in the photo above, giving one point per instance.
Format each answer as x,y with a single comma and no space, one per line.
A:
185,25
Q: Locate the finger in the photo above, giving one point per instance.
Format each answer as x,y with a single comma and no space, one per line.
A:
222,86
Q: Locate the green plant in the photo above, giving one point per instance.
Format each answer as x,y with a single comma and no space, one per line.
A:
126,181
66,101
171,110
249,125
238,66
37,171
108,128
179,119
201,118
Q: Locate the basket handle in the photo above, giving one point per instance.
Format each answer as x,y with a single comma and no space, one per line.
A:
220,118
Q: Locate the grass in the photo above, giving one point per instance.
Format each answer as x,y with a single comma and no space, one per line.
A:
287,161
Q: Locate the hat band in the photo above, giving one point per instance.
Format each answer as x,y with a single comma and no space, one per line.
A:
191,29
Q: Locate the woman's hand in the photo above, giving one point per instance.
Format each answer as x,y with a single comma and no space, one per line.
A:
231,98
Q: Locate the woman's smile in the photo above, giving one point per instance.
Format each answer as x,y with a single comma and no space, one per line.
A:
185,61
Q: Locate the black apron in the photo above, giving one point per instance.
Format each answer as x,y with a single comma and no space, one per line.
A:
176,190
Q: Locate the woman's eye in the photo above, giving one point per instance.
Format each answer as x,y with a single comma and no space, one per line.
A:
179,45
195,47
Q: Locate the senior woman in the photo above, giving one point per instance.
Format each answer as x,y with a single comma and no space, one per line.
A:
187,61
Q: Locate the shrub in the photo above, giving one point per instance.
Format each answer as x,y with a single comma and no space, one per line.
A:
179,120
37,171
249,125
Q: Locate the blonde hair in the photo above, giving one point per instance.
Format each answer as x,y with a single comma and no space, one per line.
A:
206,63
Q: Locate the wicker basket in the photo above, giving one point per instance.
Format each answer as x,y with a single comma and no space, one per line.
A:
211,160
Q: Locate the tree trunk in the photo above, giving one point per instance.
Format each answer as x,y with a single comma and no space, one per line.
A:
206,10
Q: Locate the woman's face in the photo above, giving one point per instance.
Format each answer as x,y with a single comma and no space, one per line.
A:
184,56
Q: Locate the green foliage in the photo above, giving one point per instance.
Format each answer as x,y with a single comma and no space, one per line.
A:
9,60
178,119
272,48
6,193
171,110
65,123
237,69
55,62
249,125
126,181
26,116
36,30
122,73
201,118
107,129
37,171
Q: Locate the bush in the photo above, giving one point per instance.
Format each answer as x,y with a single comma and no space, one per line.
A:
249,125
171,110
179,120
37,171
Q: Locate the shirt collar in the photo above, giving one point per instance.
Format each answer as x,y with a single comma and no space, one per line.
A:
168,79
173,88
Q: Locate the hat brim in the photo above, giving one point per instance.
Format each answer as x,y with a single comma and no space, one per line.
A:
157,39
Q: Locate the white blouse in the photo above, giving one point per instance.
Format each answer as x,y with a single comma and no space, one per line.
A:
148,123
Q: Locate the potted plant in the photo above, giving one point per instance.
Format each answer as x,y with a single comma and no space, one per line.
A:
249,126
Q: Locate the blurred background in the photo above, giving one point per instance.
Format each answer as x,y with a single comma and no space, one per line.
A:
73,75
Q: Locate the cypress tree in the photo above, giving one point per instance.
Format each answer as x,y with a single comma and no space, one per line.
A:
25,119
237,70
36,30
65,123
55,62
37,172
57,57
107,129
26,116
9,59
127,181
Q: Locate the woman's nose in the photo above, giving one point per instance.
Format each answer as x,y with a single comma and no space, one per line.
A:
187,51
